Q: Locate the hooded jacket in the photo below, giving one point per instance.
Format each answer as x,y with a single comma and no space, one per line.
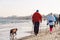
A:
36,17
51,19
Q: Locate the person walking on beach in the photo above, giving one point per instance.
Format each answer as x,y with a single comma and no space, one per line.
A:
59,19
50,21
36,19
56,21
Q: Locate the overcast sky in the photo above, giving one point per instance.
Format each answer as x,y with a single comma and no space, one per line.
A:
28,7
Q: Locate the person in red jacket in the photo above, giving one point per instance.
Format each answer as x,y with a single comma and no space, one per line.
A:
36,19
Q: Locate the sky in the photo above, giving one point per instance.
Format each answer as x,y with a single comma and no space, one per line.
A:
28,7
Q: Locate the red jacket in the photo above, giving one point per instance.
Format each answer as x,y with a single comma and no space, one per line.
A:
36,17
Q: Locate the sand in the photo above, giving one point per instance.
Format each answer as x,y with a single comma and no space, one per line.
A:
45,35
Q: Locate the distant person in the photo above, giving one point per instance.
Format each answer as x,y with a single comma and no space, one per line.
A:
36,19
59,19
50,21
13,33
56,21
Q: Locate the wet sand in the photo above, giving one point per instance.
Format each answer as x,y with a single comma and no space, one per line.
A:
44,35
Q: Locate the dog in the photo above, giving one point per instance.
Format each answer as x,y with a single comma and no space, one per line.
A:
13,32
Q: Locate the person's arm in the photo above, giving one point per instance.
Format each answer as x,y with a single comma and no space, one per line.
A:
54,19
47,20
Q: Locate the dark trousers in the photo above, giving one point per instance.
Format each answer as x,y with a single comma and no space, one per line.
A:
36,28
51,27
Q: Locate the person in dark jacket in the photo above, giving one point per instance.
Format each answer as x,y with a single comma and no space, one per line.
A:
59,19
36,19
56,21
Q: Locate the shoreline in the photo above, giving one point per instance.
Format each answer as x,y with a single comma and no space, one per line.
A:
44,34
41,31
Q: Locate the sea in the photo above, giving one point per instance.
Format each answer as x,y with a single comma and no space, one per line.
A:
24,28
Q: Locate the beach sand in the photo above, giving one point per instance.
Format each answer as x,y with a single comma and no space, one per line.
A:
45,35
